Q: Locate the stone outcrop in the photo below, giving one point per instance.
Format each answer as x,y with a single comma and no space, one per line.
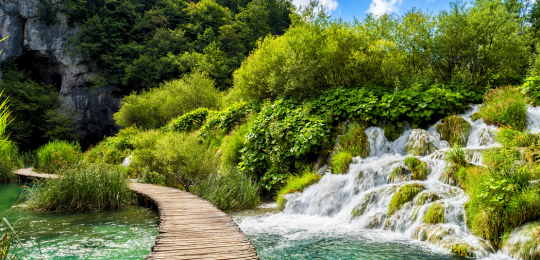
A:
44,49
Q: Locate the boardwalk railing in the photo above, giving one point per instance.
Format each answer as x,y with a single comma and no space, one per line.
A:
189,228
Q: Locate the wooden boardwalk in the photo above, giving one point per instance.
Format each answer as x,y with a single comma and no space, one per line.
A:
190,227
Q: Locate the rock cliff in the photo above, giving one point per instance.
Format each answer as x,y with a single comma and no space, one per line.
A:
44,49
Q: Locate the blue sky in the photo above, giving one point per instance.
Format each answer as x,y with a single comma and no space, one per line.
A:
348,9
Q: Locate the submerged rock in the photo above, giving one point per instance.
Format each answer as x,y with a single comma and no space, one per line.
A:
399,174
523,242
419,169
376,220
421,143
455,130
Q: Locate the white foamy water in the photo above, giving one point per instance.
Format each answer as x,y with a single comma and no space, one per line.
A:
326,208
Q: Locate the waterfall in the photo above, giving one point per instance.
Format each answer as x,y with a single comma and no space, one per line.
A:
360,198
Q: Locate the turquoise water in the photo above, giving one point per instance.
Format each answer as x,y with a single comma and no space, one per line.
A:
128,233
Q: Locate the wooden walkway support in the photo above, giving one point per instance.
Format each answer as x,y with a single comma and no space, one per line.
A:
189,228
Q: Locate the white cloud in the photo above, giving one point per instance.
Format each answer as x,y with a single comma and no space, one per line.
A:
379,7
329,5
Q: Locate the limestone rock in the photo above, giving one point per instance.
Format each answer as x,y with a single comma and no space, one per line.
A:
421,142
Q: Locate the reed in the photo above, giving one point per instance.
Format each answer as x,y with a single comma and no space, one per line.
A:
8,150
82,187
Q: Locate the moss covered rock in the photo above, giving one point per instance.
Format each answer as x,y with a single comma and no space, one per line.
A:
403,195
523,242
427,197
392,132
421,142
399,174
376,220
455,130
418,168
435,214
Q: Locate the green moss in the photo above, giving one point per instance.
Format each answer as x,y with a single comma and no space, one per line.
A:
399,173
355,141
340,162
360,208
426,197
295,184
505,106
513,138
523,242
462,249
435,214
418,168
392,132
405,194
455,130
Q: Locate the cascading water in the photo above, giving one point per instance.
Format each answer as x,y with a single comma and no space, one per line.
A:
358,202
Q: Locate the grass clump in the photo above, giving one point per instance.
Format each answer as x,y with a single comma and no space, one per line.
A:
56,155
232,145
513,138
226,120
435,214
189,121
455,130
229,190
340,162
392,132
405,194
418,168
505,106
114,149
455,163
355,141
296,184
462,249
83,187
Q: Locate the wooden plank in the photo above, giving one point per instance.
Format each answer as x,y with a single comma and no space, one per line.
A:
189,228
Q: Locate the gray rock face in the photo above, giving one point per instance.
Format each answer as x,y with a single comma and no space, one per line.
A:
45,49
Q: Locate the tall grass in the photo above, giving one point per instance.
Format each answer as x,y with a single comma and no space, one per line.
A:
230,190
10,241
296,184
8,150
82,187
56,155
505,106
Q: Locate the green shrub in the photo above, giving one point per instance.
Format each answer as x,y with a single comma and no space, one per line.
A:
227,119
418,168
113,150
513,138
355,141
505,106
455,160
296,184
455,130
435,214
232,145
340,162
83,187
57,155
405,194
190,121
229,190
392,132
172,99
531,87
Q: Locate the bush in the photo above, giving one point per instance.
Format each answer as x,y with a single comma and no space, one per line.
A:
355,141
505,106
233,144
296,184
226,120
435,214
172,99
405,194
57,155
114,149
229,190
83,187
531,88
190,121
455,130
340,162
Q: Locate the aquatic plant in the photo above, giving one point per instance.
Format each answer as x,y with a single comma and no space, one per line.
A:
418,168
56,155
455,130
296,184
435,213
340,162
11,240
403,195
505,106
94,186
230,189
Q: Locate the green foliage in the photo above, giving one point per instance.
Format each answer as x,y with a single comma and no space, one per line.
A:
172,99
426,197
189,121
226,120
296,184
392,132
435,214
418,168
455,130
83,187
341,161
114,149
8,243
531,87
505,106
35,108
455,165
229,190
405,194
282,136
57,155
8,150
509,137
233,144
47,13
355,141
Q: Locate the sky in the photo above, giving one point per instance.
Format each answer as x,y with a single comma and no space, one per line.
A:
348,9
